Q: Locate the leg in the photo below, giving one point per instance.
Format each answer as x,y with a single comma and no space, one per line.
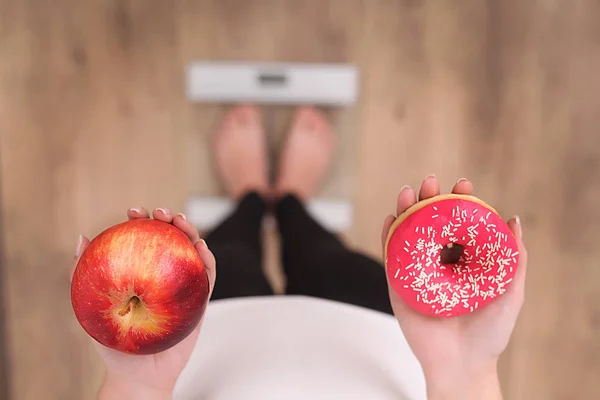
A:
317,264
241,159
315,261
237,248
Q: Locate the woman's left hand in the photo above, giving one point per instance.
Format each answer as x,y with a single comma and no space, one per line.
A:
459,354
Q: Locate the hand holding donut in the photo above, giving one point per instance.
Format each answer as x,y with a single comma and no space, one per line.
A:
457,316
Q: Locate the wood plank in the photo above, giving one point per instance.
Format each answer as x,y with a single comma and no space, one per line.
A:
4,360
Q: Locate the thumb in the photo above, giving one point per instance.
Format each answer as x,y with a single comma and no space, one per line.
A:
82,243
387,224
209,261
518,284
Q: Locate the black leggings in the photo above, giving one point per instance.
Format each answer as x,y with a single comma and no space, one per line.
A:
315,262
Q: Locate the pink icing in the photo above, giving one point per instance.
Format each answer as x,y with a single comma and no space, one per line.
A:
484,271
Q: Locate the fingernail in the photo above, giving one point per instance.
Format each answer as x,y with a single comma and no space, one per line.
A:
403,188
165,211
136,209
182,215
461,180
203,243
430,176
79,247
518,221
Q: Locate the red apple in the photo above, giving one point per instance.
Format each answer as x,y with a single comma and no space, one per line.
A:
140,287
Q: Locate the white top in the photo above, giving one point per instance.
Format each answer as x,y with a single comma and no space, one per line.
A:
299,348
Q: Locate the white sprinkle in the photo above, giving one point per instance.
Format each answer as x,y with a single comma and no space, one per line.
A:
435,208
434,216
397,272
475,211
407,243
488,215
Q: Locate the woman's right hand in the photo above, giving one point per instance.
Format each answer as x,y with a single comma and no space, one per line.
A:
459,354
150,377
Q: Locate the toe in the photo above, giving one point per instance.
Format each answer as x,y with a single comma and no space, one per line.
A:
240,116
309,117
312,120
246,114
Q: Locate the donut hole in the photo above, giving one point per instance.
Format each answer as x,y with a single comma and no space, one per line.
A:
451,254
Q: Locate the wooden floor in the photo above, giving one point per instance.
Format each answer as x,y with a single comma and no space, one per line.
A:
93,120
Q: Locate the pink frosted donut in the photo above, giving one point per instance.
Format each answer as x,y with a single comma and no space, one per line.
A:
450,255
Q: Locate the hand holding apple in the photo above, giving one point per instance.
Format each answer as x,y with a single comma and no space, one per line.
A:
147,299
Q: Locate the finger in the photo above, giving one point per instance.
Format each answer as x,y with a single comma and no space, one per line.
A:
162,214
406,199
82,243
387,224
463,186
401,310
429,188
517,287
188,228
208,258
139,212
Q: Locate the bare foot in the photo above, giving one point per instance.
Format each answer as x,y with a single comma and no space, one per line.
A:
240,151
306,154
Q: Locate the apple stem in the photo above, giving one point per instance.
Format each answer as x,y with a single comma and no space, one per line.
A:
133,302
